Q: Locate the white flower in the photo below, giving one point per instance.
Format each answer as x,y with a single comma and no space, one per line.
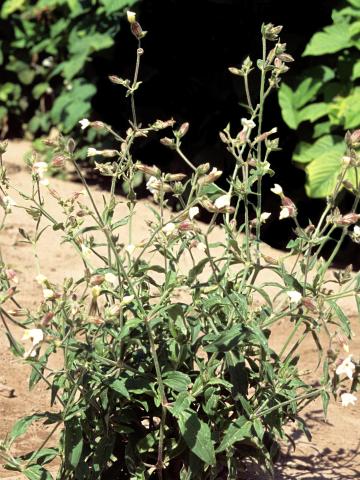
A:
294,296
8,203
201,246
264,216
111,278
130,248
91,152
277,189
169,229
85,250
40,168
356,231
222,202
48,62
131,16
44,182
48,293
150,184
41,279
84,123
127,299
193,211
247,124
36,335
346,367
284,213
348,399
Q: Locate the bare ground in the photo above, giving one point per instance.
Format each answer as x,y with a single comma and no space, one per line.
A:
334,452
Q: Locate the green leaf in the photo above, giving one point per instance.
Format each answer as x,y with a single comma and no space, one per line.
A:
73,441
306,152
344,320
356,71
313,112
177,381
182,402
23,424
323,171
10,6
112,6
195,271
288,109
37,472
119,386
197,436
223,341
237,431
332,39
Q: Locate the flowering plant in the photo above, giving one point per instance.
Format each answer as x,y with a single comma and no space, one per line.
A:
169,372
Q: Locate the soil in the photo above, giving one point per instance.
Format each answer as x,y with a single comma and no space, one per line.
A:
334,451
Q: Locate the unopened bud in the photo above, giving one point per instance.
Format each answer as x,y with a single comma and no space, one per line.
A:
152,171
183,129
309,304
285,57
98,125
175,177
58,161
348,219
46,319
186,226
203,168
71,145
168,143
137,31
97,280
3,146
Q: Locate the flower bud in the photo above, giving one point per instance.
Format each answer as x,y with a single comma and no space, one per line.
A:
152,171
168,143
203,168
183,129
175,177
3,146
348,219
58,161
186,226
97,280
137,31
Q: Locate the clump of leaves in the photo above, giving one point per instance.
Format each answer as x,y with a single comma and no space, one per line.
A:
326,97
157,385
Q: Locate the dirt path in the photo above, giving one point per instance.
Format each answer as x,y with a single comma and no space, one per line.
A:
335,450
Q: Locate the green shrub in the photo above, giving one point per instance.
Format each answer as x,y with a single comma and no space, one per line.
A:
45,51
327,97
154,385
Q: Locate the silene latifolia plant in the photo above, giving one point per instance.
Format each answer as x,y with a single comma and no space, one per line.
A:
166,373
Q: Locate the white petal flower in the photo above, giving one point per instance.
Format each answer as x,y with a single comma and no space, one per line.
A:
85,250
169,229
44,182
150,184
84,123
222,202
346,367
277,189
193,212
348,399
48,293
248,124
356,231
131,16
284,213
41,279
8,202
127,299
264,216
294,296
111,278
201,246
36,335
130,248
91,152
40,168
48,62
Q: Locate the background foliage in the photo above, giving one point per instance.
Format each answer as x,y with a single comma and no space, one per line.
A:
46,56
324,101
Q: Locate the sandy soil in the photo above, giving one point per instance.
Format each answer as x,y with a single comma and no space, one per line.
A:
334,452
